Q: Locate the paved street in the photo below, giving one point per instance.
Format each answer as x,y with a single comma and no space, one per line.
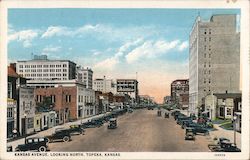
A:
139,131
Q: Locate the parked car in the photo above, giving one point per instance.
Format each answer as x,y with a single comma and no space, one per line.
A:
199,129
189,134
35,143
130,110
60,134
76,129
182,118
159,113
112,123
9,149
185,123
224,145
92,124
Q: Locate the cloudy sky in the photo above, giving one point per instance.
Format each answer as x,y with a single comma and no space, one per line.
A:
116,43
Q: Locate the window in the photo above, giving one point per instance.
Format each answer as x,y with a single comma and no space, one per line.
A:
9,90
204,55
64,65
209,81
37,122
204,64
205,39
21,66
228,111
209,39
44,121
68,98
29,141
36,140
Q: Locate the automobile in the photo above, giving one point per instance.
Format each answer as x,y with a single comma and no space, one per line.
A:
224,145
9,148
76,129
200,129
189,135
35,143
93,123
112,123
130,110
60,134
159,113
166,115
175,113
182,118
150,107
193,116
184,123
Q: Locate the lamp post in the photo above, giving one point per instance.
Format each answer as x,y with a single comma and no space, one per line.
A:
234,121
25,128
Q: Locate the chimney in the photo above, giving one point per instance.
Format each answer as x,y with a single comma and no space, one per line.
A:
13,66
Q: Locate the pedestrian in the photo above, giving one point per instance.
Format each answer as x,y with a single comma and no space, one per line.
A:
14,132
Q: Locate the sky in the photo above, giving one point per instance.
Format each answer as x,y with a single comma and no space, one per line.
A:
116,43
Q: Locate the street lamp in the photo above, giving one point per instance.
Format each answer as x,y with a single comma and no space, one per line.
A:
25,128
234,125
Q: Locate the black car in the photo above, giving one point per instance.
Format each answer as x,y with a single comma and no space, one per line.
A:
76,129
92,124
189,135
36,143
182,118
186,123
200,129
60,134
112,123
9,149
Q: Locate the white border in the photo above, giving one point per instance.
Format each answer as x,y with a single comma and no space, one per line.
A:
242,4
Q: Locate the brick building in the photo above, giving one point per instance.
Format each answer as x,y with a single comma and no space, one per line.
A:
64,101
179,92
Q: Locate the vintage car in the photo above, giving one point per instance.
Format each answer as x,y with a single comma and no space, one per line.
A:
9,149
200,129
130,110
35,143
76,129
223,145
60,134
112,123
92,123
159,113
186,123
189,134
166,115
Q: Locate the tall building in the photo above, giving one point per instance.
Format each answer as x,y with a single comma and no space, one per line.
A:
85,75
41,68
129,87
104,85
179,92
214,58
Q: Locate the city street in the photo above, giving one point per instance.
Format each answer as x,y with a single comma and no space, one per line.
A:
139,131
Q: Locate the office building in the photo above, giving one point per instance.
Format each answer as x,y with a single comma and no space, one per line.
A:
214,58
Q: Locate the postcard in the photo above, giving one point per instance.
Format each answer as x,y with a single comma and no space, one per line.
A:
124,79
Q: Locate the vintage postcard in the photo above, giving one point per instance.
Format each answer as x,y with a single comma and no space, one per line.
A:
124,79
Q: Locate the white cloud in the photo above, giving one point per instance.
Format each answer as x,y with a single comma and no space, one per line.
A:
151,49
55,31
108,63
52,49
24,36
183,46
111,62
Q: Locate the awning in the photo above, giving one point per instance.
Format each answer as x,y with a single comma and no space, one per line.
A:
205,112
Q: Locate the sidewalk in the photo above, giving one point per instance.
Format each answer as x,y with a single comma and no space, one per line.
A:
51,130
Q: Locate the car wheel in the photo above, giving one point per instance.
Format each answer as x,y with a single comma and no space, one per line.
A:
65,139
42,149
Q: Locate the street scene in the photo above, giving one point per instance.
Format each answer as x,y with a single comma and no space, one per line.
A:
124,80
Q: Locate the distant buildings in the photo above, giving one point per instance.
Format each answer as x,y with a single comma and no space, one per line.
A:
85,75
214,59
41,68
179,93
104,85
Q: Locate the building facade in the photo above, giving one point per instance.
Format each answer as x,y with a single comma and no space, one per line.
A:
63,100
214,58
41,68
85,75
27,108
104,85
179,92
11,101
